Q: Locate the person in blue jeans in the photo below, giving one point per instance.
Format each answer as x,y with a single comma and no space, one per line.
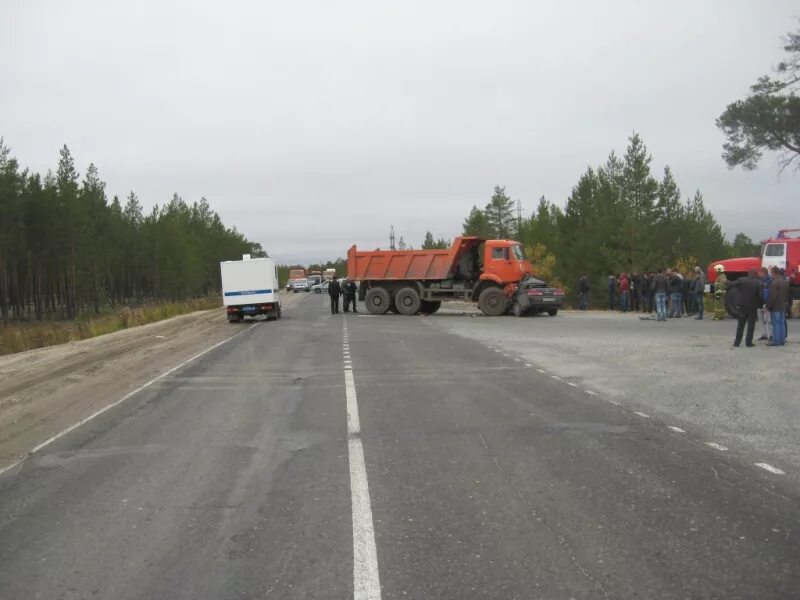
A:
675,285
660,291
776,304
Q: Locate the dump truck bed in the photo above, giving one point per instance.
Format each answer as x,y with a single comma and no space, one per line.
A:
394,265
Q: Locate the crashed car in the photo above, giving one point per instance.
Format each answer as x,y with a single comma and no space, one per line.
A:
534,296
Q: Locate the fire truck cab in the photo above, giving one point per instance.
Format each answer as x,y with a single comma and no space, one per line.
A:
782,251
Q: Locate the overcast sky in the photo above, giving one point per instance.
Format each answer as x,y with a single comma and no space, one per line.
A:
311,126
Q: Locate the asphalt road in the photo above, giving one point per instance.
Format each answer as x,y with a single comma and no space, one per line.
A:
240,475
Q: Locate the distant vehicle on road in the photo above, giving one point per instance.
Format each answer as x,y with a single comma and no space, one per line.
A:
534,296
250,288
314,279
411,281
329,274
321,287
300,285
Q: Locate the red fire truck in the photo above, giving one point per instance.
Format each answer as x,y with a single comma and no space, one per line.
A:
783,251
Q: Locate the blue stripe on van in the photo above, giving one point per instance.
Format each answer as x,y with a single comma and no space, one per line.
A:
248,292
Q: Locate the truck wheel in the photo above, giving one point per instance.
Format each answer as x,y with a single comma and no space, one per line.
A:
492,302
517,310
552,312
407,301
430,306
377,301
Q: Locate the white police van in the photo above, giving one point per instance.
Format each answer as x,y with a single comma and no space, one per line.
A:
250,288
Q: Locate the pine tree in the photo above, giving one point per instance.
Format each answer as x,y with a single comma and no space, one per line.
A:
500,214
476,224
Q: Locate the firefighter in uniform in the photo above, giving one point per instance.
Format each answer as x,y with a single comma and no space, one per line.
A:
720,293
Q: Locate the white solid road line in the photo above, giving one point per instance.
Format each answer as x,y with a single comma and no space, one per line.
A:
771,469
366,581
127,396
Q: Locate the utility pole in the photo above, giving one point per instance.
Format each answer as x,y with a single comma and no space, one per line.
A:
519,220
391,238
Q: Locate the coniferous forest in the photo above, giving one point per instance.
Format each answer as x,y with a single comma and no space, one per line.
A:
66,249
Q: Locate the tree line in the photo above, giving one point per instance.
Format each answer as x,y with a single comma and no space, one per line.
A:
65,249
618,217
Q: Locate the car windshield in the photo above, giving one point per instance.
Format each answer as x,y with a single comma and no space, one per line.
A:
518,252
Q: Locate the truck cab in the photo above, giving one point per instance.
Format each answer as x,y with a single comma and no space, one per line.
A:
504,262
782,251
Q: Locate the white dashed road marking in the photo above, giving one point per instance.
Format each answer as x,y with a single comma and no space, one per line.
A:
366,581
675,429
641,414
569,383
716,446
591,393
771,469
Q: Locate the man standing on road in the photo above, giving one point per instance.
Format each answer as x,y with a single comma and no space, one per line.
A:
675,294
660,294
698,289
764,316
748,300
349,291
778,299
583,290
624,292
334,290
636,292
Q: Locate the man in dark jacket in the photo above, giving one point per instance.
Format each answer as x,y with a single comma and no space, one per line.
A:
675,284
334,290
748,299
776,304
636,292
349,290
583,290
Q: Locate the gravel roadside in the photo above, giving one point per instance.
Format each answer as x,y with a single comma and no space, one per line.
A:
44,391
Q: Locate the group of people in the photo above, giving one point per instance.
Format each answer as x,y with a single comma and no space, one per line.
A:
347,290
669,294
763,295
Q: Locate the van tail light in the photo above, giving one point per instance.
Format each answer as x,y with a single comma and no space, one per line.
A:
558,292
266,306
232,309
535,293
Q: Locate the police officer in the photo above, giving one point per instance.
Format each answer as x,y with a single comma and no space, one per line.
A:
349,290
334,291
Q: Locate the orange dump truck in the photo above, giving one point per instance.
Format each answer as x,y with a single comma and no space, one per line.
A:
411,281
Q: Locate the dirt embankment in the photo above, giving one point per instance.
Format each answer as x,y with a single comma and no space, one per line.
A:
44,391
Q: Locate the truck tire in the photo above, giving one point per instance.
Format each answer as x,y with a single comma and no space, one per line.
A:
552,312
407,301
429,307
492,302
377,301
